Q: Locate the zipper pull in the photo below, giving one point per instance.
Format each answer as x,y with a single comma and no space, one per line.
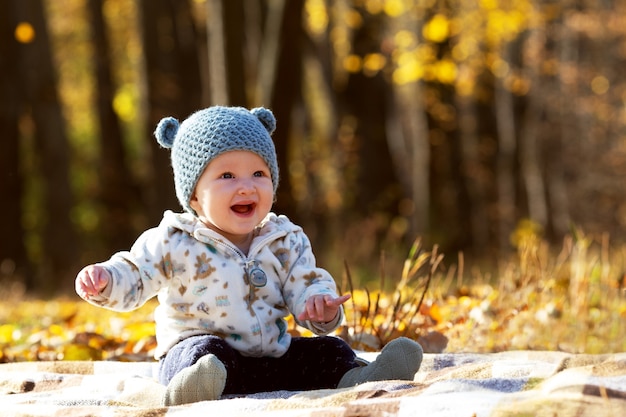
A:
256,276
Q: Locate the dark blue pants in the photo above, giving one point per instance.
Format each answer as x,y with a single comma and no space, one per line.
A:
309,363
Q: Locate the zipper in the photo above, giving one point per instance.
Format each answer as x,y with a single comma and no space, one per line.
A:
249,261
238,252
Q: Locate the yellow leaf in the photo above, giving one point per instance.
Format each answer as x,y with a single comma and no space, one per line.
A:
317,16
6,333
138,331
437,29
56,330
374,63
124,104
24,32
394,8
352,63
446,71
465,301
435,313
74,352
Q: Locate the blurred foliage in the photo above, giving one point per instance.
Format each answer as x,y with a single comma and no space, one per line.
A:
70,329
558,62
573,301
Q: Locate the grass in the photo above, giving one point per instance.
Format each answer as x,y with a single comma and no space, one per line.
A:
572,299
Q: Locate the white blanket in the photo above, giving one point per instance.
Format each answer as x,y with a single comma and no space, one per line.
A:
523,383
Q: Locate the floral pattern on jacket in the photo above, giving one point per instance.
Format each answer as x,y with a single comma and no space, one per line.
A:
203,283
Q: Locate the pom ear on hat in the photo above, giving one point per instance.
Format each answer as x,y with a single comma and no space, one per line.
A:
266,117
166,130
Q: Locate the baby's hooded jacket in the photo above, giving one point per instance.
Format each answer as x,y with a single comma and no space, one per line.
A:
203,285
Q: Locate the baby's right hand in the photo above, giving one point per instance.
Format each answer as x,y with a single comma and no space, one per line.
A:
91,280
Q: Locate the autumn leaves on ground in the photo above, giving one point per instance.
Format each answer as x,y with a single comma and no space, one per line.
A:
571,299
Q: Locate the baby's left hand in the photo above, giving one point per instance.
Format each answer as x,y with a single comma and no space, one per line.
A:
322,308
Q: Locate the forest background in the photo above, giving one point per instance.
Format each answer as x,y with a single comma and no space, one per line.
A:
466,123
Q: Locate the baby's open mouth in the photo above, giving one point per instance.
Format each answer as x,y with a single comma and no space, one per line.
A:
243,208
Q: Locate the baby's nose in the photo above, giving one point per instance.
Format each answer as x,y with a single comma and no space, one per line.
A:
245,185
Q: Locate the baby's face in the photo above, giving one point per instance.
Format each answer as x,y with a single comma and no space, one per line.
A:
233,194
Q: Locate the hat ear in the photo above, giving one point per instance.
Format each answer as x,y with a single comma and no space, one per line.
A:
266,117
165,131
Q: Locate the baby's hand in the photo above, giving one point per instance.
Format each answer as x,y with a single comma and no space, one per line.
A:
91,280
322,308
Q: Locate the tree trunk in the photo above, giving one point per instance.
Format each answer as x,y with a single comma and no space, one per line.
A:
14,264
270,49
474,173
226,46
59,244
117,193
286,93
506,158
530,154
365,99
174,86
409,145
410,153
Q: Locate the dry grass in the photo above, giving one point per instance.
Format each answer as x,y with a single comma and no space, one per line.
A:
572,300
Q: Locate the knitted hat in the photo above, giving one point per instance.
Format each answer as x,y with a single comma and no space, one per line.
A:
210,132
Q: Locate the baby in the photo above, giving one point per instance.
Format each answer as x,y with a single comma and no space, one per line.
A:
227,272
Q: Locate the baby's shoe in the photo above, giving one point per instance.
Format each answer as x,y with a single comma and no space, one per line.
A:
399,359
202,381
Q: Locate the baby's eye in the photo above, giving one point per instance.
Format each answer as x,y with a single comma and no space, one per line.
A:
259,174
227,175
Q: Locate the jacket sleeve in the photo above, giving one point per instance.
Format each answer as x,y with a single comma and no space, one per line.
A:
138,275
305,279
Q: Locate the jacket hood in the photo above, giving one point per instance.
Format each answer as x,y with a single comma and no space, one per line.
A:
190,224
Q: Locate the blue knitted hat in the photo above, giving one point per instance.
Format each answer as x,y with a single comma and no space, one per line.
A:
210,132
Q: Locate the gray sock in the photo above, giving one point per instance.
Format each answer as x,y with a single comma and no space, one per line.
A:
399,359
203,381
